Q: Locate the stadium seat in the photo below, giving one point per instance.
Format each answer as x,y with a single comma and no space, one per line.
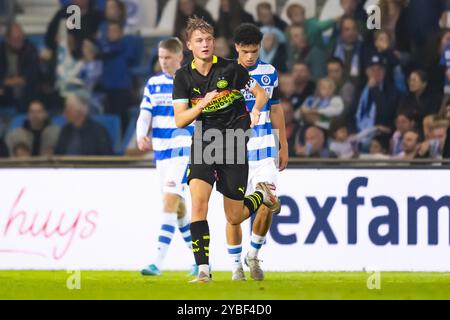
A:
112,124
310,7
38,40
17,121
7,112
251,5
129,133
59,121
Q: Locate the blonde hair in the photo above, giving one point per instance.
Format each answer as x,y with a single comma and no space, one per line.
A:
172,44
326,81
440,123
199,24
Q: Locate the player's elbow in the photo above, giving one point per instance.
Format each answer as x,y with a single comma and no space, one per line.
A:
179,122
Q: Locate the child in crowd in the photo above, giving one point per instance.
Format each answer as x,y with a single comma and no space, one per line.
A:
404,122
343,144
318,110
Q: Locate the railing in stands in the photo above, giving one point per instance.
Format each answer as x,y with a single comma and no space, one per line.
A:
140,162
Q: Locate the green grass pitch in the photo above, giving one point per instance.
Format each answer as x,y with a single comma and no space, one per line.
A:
175,286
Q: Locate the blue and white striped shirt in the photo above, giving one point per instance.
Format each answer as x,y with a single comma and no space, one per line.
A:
261,145
168,140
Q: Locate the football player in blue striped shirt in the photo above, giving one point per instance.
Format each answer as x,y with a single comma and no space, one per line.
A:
171,147
262,149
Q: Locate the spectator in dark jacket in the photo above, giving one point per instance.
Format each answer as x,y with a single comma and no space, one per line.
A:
231,15
266,17
118,56
420,100
304,86
82,136
19,69
292,127
116,11
349,48
91,18
300,49
37,131
377,102
423,20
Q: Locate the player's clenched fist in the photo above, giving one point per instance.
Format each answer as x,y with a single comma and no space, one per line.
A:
254,116
207,99
144,144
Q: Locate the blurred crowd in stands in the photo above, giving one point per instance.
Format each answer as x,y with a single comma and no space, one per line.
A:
347,91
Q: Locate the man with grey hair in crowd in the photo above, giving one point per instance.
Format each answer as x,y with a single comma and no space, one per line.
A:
82,136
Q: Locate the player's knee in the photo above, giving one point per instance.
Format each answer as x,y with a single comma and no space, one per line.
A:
264,212
234,219
171,203
199,208
170,207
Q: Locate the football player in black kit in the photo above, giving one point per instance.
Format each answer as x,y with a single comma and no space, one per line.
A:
208,90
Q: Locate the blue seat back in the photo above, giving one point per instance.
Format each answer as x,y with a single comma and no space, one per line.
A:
112,125
17,121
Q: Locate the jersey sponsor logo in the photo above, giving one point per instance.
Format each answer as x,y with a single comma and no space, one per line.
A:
222,84
398,231
223,100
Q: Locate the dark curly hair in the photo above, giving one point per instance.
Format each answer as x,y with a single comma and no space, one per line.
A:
247,34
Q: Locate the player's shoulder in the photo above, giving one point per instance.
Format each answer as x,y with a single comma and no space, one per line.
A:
264,68
183,70
228,63
158,79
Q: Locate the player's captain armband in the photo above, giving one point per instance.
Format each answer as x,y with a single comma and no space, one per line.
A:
251,84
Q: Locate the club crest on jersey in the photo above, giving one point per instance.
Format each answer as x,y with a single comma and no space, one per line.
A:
222,84
265,80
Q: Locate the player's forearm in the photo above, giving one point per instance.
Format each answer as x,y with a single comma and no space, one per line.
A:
278,123
261,100
143,124
186,117
261,97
